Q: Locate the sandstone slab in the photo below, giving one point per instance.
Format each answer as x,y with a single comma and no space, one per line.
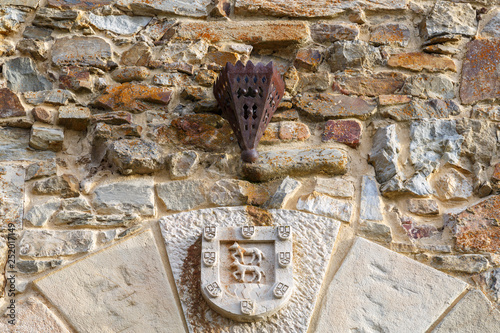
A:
423,109
119,24
473,313
182,195
324,205
39,169
81,51
79,4
344,131
132,73
126,284
379,281
195,8
274,164
329,106
10,105
45,137
308,59
334,187
479,72
22,75
390,34
418,61
369,84
133,196
256,33
44,243
133,97
311,256
285,131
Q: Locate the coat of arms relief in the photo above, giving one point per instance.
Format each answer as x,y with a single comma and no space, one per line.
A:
247,272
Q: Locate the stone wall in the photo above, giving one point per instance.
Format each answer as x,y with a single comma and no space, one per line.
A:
113,154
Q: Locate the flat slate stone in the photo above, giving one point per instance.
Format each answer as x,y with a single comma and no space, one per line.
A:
291,162
377,290
14,146
26,3
474,313
22,75
329,106
81,51
10,105
193,8
79,4
313,239
122,288
12,194
119,24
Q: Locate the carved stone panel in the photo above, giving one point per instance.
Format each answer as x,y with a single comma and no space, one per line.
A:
247,271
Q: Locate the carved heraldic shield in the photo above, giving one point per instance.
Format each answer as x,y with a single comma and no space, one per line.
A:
247,271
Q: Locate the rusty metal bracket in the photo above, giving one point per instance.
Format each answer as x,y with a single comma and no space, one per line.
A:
248,96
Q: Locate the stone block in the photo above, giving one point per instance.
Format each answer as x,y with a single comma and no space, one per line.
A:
418,61
44,243
136,156
329,106
74,117
324,205
44,137
343,131
182,195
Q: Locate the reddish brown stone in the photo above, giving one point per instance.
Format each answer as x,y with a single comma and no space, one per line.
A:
290,115
132,73
206,77
422,109
112,118
103,131
390,33
40,114
180,67
10,105
138,55
480,73
257,33
133,97
477,228
285,131
324,32
344,131
415,231
308,59
221,58
393,99
496,173
204,131
194,94
78,4
361,83
222,8
329,106
75,78
418,61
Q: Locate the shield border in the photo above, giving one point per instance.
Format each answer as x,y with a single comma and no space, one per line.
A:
230,306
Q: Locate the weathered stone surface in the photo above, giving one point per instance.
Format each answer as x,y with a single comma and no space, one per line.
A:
430,86
369,84
324,205
39,169
33,316
308,59
356,53
466,263
22,75
479,72
472,313
54,97
479,140
45,243
375,231
205,77
79,4
195,8
138,55
12,194
76,78
114,132
489,282
256,33
133,196
496,173
233,192
172,79
370,206
39,215
491,112
119,24
54,18
423,109
74,117
313,242
328,106
114,281
446,49
291,162
313,81
285,131
189,51
334,187
182,194
37,266
285,191
133,97
204,131
390,34
66,185
324,32
34,48
476,228
73,218
418,61
135,156
492,28
37,33
14,146
113,118
287,115
26,3
43,115
183,164
320,8
423,207
393,99
81,51
384,154
11,19
10,105
133,73
453,186
450,18
344,131
379,281
44,137
221,58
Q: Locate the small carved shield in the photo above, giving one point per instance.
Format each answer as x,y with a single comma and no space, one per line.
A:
247,272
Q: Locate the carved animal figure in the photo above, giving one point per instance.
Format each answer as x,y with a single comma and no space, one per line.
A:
257,255
242,270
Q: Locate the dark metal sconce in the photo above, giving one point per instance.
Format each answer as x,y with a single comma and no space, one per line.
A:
248,96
